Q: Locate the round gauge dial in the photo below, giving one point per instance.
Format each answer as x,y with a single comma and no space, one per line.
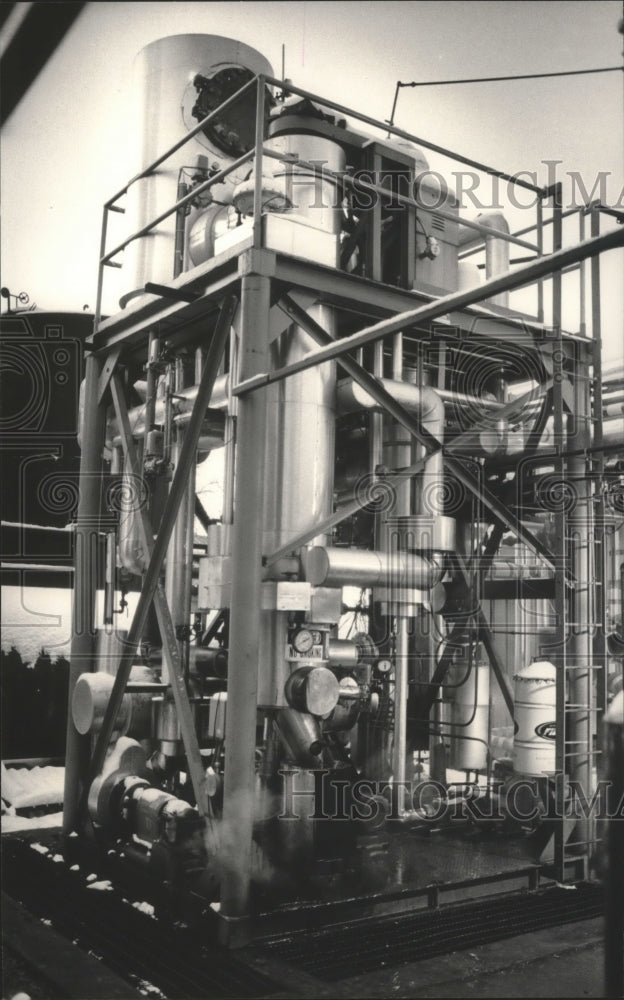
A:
303,640
384,666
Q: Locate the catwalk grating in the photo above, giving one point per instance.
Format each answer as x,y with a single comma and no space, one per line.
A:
173,960
368,945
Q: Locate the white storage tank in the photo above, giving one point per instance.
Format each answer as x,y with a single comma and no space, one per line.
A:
178,80
535,711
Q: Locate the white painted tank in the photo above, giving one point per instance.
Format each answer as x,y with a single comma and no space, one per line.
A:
535,711
177,81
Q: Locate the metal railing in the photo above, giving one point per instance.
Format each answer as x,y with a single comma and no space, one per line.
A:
259,152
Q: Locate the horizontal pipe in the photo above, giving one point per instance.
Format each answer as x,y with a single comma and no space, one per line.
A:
343,652
44,567
334,567
183,407
424,314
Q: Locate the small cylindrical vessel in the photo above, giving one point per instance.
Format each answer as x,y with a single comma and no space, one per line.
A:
535,713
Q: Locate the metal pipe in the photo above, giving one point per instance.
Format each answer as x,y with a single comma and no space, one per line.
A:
328,566
352,397
179,561
140,419
86,581
401,689
614,880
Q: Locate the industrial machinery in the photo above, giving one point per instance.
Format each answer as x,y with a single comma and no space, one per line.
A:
398,626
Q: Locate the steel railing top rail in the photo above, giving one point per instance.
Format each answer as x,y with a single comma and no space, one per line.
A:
260,80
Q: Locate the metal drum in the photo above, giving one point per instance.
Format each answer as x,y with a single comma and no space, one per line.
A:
535,710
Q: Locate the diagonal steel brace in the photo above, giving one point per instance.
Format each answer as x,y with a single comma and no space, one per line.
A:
396,410
152,576
171,650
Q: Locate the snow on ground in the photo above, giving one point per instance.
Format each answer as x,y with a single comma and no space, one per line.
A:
14,824
27,787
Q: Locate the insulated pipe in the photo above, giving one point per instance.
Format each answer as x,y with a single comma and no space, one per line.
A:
183,406
352,398
496,250
338,567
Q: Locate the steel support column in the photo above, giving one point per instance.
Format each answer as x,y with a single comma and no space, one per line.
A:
85,584
240,733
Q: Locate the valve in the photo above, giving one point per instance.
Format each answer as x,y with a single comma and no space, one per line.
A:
432,249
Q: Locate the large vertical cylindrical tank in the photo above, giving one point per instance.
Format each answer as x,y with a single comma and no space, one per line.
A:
535,713
299,454
178,80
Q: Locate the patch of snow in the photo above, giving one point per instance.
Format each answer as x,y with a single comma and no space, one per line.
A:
145,908
92,877
148,989
39,848
215,906
25,787
13,824
103,886
75,868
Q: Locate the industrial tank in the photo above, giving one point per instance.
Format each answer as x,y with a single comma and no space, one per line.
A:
178,81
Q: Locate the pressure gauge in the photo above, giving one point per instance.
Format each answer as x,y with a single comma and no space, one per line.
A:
383,666
303,640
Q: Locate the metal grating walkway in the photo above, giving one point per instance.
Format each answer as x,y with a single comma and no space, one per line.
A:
366,946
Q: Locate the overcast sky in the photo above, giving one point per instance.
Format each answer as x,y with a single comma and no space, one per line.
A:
63,149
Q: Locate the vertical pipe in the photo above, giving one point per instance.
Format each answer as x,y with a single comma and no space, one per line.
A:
240,737
180,553
540,253
614,887
399,753
227,515
258,162
85,584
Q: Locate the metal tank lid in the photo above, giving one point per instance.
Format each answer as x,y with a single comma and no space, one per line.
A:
537,670
615,713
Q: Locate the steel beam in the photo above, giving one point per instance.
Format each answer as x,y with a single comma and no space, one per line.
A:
243,663
440,307
171,651
176,492
85,585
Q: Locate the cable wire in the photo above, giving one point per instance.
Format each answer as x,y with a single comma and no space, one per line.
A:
521,76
